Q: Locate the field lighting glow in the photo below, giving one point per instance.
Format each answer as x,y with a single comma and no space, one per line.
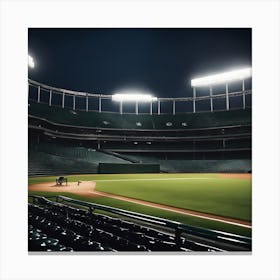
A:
226,77
133,97
31,62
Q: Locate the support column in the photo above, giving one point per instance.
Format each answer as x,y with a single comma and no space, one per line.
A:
211,99
39,94
136,107
63,97
174,107
227,98
87,103
74,102
50,98
158,107
99,104
121,107
244,97
151,108
194,96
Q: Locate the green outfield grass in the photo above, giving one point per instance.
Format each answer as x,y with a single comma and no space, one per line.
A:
208,193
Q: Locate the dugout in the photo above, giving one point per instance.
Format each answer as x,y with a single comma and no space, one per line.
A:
116,168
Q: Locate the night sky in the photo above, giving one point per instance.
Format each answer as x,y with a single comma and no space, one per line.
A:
162,61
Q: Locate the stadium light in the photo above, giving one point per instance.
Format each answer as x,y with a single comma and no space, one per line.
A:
133,97
31,62
236,75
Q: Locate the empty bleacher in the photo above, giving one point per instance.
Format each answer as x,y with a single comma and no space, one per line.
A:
40,163
53,159
138,122
55,226
179,163
70,142
75,152
50,231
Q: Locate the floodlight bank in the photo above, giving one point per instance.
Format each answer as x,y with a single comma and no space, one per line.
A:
122,97
222,78
31,61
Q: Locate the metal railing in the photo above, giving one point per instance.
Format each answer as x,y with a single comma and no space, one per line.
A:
242,242
40,88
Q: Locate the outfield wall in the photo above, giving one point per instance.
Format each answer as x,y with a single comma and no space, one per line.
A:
112,168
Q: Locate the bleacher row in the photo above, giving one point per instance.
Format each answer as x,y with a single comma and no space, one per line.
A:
53,159
138,122
89,154
58,227
180,145
40,163
74,152
188,165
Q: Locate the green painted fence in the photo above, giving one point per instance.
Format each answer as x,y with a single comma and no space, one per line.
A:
112,168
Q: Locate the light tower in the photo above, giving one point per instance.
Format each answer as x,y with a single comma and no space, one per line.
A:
223,78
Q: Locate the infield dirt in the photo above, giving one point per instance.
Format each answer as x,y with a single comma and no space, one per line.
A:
84,188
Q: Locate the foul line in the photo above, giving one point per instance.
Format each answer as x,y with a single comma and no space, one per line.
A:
180,211
152,179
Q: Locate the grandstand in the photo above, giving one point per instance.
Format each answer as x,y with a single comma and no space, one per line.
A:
56,226
207,142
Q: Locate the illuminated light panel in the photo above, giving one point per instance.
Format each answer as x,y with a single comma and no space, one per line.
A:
222,78
31,62
133,97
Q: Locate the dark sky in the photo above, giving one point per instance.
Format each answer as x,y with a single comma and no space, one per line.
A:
160,60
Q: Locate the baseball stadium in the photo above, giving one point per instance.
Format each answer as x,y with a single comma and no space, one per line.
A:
130,171
163,182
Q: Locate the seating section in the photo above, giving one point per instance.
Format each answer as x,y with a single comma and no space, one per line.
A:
75,152
57,227
139,122
53,159
46,164
227,166
180,145
75,142
171,163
